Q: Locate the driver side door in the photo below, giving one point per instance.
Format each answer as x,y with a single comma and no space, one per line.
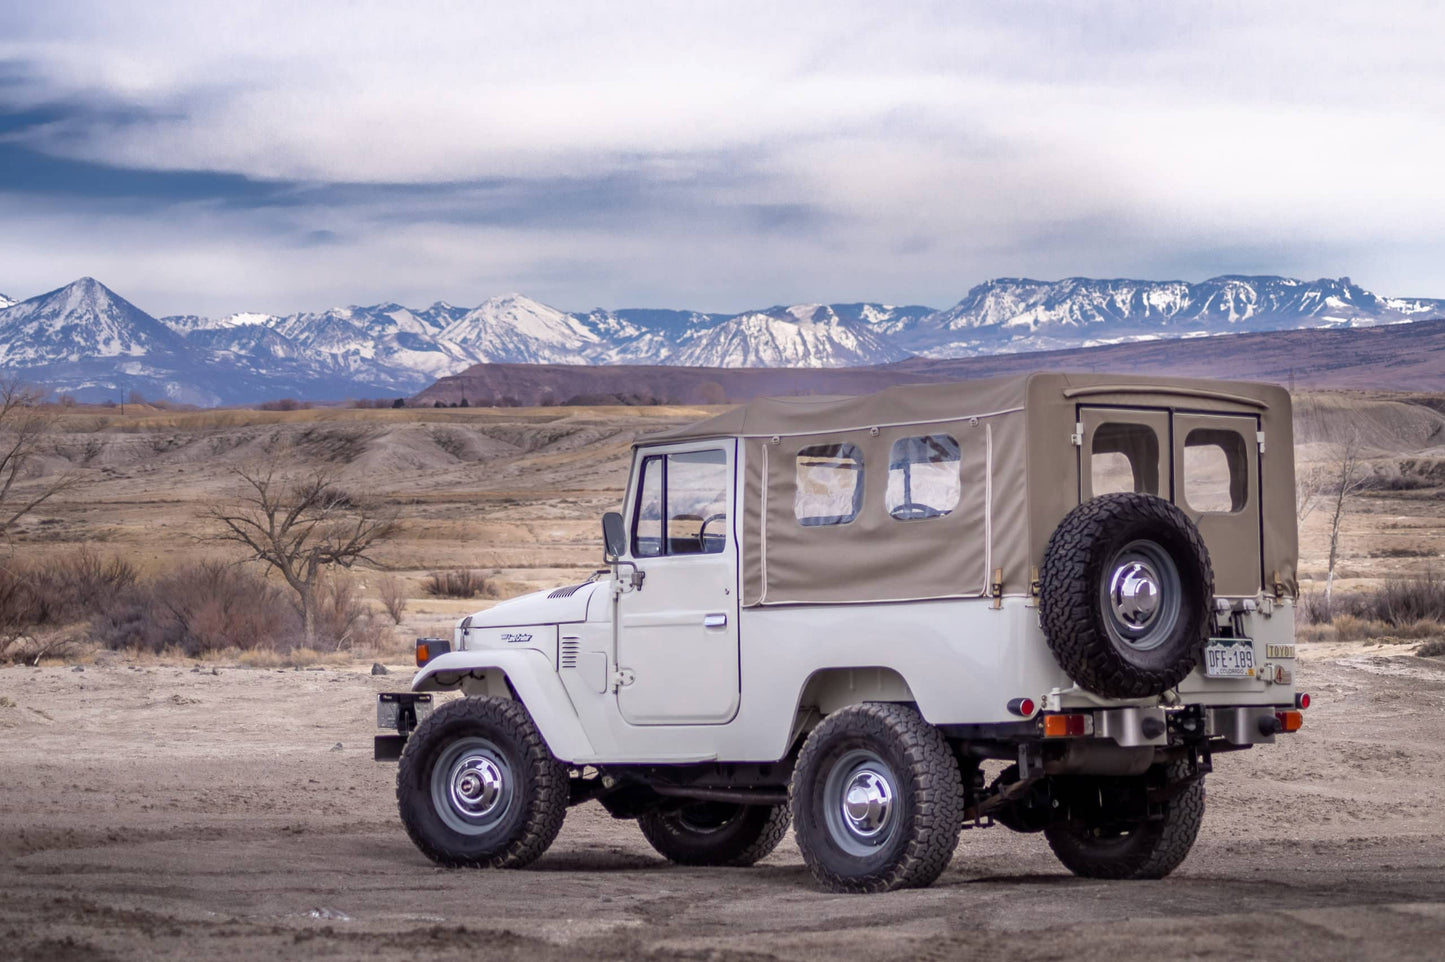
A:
678,632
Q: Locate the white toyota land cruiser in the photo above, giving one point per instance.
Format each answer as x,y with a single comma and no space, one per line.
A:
835,611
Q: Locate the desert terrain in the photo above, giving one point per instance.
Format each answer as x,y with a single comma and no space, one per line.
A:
153,806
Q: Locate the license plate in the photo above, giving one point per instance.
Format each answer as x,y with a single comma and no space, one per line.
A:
389,705
1229,658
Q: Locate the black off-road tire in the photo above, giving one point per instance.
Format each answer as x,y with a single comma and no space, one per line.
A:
1147,850
867,747
715,833
1097,645
460,751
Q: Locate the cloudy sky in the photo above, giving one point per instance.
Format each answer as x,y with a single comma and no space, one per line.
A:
267,156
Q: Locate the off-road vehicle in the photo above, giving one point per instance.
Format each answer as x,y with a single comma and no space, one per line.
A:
1045,602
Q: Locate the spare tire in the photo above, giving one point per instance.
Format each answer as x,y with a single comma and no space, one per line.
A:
1125,594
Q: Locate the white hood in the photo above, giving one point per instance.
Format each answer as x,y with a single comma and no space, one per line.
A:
553,606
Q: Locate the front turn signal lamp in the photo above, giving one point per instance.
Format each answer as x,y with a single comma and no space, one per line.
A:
429,648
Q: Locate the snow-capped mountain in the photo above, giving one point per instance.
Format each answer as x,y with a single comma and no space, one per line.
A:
807,335
1019,314
5,301
89,341
518,330
78,322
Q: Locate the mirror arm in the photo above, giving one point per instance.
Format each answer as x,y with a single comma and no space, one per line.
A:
638,575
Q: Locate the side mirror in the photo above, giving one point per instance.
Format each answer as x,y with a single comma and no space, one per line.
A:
614,536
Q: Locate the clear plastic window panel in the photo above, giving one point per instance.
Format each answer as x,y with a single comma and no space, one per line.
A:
923,477
829,484
1216,475
1124,457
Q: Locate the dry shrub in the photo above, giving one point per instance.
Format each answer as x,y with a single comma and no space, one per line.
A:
1404,601
393,596
216,607
1351,628
461,583
1397,604
1432,649
343,623
195,611
39,596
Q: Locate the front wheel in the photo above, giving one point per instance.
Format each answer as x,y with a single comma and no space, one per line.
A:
715,833
477,786
877,800
1104,847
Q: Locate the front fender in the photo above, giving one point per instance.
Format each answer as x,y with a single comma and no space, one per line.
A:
532,678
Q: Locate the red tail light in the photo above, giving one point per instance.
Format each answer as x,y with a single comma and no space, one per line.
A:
1022,706
1302,700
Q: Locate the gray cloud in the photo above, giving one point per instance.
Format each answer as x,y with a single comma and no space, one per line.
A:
202,158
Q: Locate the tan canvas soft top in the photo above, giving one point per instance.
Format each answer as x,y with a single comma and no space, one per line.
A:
1018,477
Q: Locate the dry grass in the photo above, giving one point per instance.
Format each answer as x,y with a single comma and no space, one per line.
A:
461,583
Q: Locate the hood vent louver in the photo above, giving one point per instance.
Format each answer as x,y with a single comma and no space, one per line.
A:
568,591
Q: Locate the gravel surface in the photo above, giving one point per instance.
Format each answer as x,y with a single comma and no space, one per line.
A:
169,812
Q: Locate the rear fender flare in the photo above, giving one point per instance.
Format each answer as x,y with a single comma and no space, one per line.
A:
523,674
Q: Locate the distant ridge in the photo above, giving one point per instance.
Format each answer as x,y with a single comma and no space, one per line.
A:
1399,357
87,340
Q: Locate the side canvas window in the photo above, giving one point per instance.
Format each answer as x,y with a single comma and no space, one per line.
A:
923,477
829,484
682,504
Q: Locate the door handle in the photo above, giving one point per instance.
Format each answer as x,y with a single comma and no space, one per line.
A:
714,621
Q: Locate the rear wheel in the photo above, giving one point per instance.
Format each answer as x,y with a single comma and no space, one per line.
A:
1105,847
477,786
715,833
877,800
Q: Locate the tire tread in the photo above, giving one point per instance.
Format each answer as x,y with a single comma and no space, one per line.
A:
1068,609
937,796
546,809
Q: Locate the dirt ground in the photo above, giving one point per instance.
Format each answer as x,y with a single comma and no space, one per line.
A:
215,811
179,812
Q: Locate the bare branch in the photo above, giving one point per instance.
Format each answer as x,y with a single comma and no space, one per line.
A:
300,528
24,425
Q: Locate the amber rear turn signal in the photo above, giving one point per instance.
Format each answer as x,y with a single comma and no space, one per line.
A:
1067,726
1289,721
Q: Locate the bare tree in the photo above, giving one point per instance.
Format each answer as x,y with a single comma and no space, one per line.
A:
24,426
301,528
1343,479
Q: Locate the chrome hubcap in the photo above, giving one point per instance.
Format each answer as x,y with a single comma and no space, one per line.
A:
867,803
1134,593
477,785
860,803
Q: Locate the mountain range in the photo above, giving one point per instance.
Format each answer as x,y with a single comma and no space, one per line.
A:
88,341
